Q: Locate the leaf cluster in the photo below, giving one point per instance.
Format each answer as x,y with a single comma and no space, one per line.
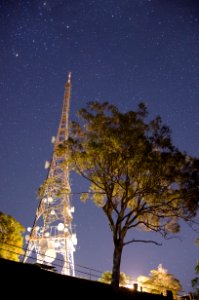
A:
11,238
160,281
107,278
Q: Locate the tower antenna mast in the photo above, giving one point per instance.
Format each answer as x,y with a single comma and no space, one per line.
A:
51,233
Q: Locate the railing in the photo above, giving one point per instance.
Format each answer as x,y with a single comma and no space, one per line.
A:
56,266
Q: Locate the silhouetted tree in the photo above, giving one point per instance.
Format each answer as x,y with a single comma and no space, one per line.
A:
136,174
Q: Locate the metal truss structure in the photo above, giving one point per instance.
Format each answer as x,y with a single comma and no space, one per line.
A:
51,234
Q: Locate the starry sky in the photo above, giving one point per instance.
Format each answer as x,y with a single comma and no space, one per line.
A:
120,51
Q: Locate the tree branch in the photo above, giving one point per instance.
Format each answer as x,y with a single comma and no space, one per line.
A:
142,241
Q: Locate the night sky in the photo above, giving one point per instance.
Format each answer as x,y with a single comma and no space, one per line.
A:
120,51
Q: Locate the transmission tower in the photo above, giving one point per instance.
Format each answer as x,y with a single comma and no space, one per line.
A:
51,233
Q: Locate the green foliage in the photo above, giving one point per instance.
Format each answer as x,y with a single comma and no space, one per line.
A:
197,267
52,184
136,175
11,239
47,185
195,281
160,281
195,286
107,278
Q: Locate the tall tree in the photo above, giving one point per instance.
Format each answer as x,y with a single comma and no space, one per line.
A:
11,239
136,174
160,281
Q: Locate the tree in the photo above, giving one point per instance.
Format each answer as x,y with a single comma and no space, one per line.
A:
136,175
11,239
195,281
160,281
107,278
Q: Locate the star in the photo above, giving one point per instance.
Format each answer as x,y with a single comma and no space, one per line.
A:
16,54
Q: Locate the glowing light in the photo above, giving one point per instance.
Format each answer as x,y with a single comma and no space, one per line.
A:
52,212
53,139
50,255
47,165
74,239
29,229
50,199
47,234
27,237
60,226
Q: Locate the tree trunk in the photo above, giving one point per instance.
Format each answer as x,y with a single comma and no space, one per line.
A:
117,254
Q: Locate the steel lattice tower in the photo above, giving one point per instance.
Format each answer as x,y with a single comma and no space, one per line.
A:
51,233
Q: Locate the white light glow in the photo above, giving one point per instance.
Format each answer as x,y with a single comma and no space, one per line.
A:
53,139
74,239
50,199
60,226
72,209
57,244
47,165
50,255
27,237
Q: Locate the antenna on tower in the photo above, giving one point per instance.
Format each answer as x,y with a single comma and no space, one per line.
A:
52,233
69,77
